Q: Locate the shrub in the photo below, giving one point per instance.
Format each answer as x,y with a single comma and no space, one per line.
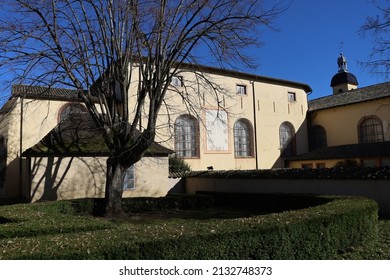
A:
318,232
177,164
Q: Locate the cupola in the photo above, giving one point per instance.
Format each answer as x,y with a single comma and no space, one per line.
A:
343,81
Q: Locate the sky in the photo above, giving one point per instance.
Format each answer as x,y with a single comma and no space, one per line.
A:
310,38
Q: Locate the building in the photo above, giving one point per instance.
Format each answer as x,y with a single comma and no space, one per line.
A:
212,118
350,127
217,119
51,149
234,120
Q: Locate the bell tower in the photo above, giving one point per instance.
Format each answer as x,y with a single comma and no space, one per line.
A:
343,81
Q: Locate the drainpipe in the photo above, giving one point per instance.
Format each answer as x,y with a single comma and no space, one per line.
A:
255,123
21,147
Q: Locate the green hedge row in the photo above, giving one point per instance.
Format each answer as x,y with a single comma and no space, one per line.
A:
336,173
318,232
315,233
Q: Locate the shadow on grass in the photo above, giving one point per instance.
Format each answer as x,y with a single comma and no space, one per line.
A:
4,220
223,206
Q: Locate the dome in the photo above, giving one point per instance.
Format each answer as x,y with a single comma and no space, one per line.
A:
343,78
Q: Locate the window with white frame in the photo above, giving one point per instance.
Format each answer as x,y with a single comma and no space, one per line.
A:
177,81
186,136
128,179
242,139
241,89
291,97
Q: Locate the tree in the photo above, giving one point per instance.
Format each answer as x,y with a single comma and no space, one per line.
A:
97,46
379,27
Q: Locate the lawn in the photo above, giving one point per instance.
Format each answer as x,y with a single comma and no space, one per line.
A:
65,230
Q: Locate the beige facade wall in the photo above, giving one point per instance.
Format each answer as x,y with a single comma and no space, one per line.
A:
54,178
341,123
23,128
265,106
39,118
63,178
341,126
319,163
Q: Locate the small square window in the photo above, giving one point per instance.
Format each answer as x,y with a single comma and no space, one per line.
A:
241,90
177,81
291,97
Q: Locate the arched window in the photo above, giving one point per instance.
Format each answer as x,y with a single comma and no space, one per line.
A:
287,139
186,136
370,129
318,137
70,109
242,138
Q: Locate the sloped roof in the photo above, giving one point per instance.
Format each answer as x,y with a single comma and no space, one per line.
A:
41,92
77,135
354,96
364,150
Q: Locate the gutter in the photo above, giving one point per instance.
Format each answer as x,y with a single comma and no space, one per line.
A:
255,123
21,146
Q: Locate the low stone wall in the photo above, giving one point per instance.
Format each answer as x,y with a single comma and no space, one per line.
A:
379,190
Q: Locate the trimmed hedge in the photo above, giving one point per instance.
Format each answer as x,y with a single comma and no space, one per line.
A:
318,232
335,173
315,233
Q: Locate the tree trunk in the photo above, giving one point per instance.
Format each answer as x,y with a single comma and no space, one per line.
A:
114,187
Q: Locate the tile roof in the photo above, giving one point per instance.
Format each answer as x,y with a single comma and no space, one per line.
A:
351,97
40,92
364,150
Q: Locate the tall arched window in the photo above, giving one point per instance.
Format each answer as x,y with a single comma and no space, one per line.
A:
70,109
242,138
186,136
287,139
317,137
370,129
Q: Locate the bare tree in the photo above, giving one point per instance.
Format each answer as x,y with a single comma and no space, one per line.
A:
100,47
379,27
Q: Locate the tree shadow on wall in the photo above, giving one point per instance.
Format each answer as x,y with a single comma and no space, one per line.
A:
51,179
52,176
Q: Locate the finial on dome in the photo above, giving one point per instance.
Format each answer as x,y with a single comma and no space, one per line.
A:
342,63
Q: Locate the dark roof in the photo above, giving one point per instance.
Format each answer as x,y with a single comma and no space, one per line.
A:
243,75
40,92
343,78
373,92
78,135
365,150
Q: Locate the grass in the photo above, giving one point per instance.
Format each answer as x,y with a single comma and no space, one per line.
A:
48,228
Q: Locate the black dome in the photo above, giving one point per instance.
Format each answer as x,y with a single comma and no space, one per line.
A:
343,78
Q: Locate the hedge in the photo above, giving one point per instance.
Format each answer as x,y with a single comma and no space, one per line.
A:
335,173
318,232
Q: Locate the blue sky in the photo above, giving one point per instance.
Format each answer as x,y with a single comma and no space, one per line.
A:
311,36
